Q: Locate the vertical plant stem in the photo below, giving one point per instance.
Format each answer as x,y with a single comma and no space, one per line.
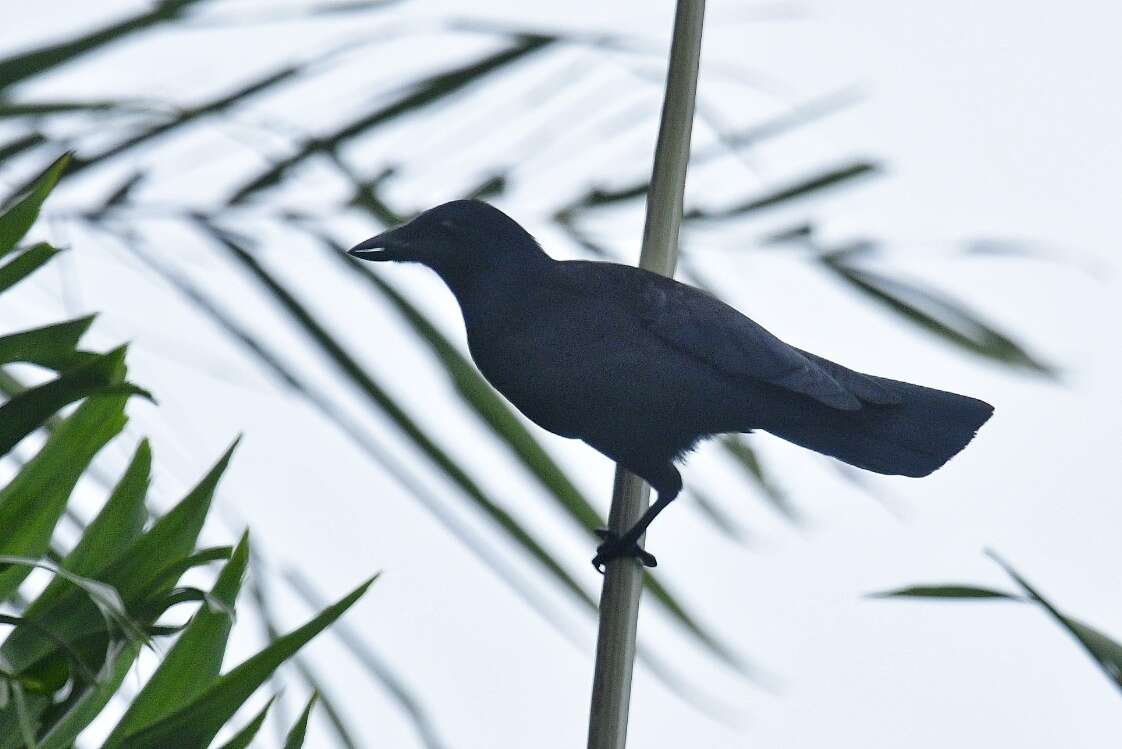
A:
623,579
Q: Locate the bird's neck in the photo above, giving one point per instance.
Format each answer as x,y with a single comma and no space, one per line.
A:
497,290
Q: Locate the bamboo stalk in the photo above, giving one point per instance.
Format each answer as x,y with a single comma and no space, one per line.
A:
623,579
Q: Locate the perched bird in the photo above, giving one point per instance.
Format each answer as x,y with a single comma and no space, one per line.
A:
642,367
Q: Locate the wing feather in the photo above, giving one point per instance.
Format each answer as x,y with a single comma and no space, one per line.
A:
712,332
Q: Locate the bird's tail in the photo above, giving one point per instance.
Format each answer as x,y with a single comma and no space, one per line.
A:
913,437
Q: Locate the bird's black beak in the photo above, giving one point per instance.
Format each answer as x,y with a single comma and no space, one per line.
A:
384,246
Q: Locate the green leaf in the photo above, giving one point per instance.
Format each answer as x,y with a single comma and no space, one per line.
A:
24,264
170,572
34,501
110,534
1106,652
86,708
295,738
52,346
17,220
105,597
173,536
243,737
195,660
365,656
78,667
935,313
196,724
943,591
29,410
798,189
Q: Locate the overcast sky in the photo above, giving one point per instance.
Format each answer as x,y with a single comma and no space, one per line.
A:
996,122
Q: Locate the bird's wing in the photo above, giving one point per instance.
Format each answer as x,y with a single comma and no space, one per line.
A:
711,331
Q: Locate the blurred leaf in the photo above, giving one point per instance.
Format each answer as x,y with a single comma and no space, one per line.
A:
16,220
373,664
39,108
745,457
799,189
491,187
295,738
422,94
196,723
24,264
717,516
21,144
258,590
51,346
26,64
194,661
943,591
124,190
946,318
185,117
244,737
1106,652
30,409
34,501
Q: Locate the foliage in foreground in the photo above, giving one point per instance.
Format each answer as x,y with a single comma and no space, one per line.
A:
69,648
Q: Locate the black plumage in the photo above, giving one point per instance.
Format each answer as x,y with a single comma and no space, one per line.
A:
641,367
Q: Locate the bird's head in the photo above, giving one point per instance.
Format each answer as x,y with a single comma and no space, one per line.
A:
452,239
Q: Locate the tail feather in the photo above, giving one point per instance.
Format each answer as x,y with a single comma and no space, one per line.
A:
914,436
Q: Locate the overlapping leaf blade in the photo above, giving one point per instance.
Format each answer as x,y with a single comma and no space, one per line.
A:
24,264
29,410
295,738
111,532
72,617
195,660
946,318
17,220
244,737
51,346
196,724
34,501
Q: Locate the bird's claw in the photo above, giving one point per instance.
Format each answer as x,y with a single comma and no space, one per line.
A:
615,547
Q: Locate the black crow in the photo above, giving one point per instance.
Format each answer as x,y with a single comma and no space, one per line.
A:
642,367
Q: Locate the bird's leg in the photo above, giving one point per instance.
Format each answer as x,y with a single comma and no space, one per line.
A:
627,545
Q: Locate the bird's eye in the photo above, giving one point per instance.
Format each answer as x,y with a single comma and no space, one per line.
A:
451,226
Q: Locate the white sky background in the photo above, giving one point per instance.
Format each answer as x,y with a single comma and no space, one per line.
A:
994,121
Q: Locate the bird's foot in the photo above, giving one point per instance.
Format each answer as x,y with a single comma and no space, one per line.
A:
616,546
